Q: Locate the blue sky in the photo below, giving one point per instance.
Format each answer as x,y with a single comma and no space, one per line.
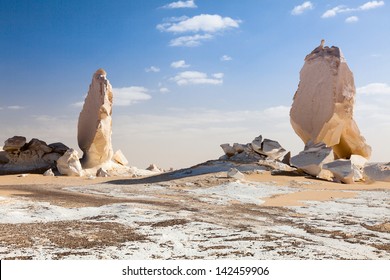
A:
187,75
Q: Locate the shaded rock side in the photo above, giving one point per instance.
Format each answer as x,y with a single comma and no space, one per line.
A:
95,123
322,110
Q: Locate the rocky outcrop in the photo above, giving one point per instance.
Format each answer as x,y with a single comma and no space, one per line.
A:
322,110
94,126
32,157
258,149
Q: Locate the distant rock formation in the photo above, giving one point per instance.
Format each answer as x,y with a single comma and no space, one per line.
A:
95,123
36,156
322,110
258,149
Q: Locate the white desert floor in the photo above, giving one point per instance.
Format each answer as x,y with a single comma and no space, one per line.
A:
192,217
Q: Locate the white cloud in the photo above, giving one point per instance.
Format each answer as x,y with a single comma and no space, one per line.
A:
164,90
15,107
181,4
343,9
153,69
225,58
130,95
200,23
334,11
352,19
218,75
371,5
374,89
298,10
197,78
179,64
190,41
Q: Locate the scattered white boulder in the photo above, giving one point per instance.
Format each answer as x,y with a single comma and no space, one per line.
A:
342,170
255,151
120,158
102,173
377,172
69,164
154,168
256,144
48,172
272,149
95,122
235,173
322,110
239,148
228,150
311,159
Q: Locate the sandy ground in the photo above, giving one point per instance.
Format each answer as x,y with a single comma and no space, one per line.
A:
190,215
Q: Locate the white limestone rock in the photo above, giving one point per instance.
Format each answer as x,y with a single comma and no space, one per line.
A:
322,110
48,172
234,173
311,159
228,150
154,168
69,164
95,123
342,170
102,173
239,148
272,149
120,158
377,172
256,144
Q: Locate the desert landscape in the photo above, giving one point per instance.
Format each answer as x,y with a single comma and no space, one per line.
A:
257,200
196,213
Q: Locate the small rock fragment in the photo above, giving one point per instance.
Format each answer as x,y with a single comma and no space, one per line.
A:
234,173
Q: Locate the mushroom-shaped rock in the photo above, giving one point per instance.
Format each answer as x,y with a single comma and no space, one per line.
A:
322,110
95,124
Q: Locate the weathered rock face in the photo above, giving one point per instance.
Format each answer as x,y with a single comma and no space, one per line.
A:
322,110
32,157
95,124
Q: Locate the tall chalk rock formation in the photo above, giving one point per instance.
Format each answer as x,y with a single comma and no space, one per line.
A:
322,110
95,124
